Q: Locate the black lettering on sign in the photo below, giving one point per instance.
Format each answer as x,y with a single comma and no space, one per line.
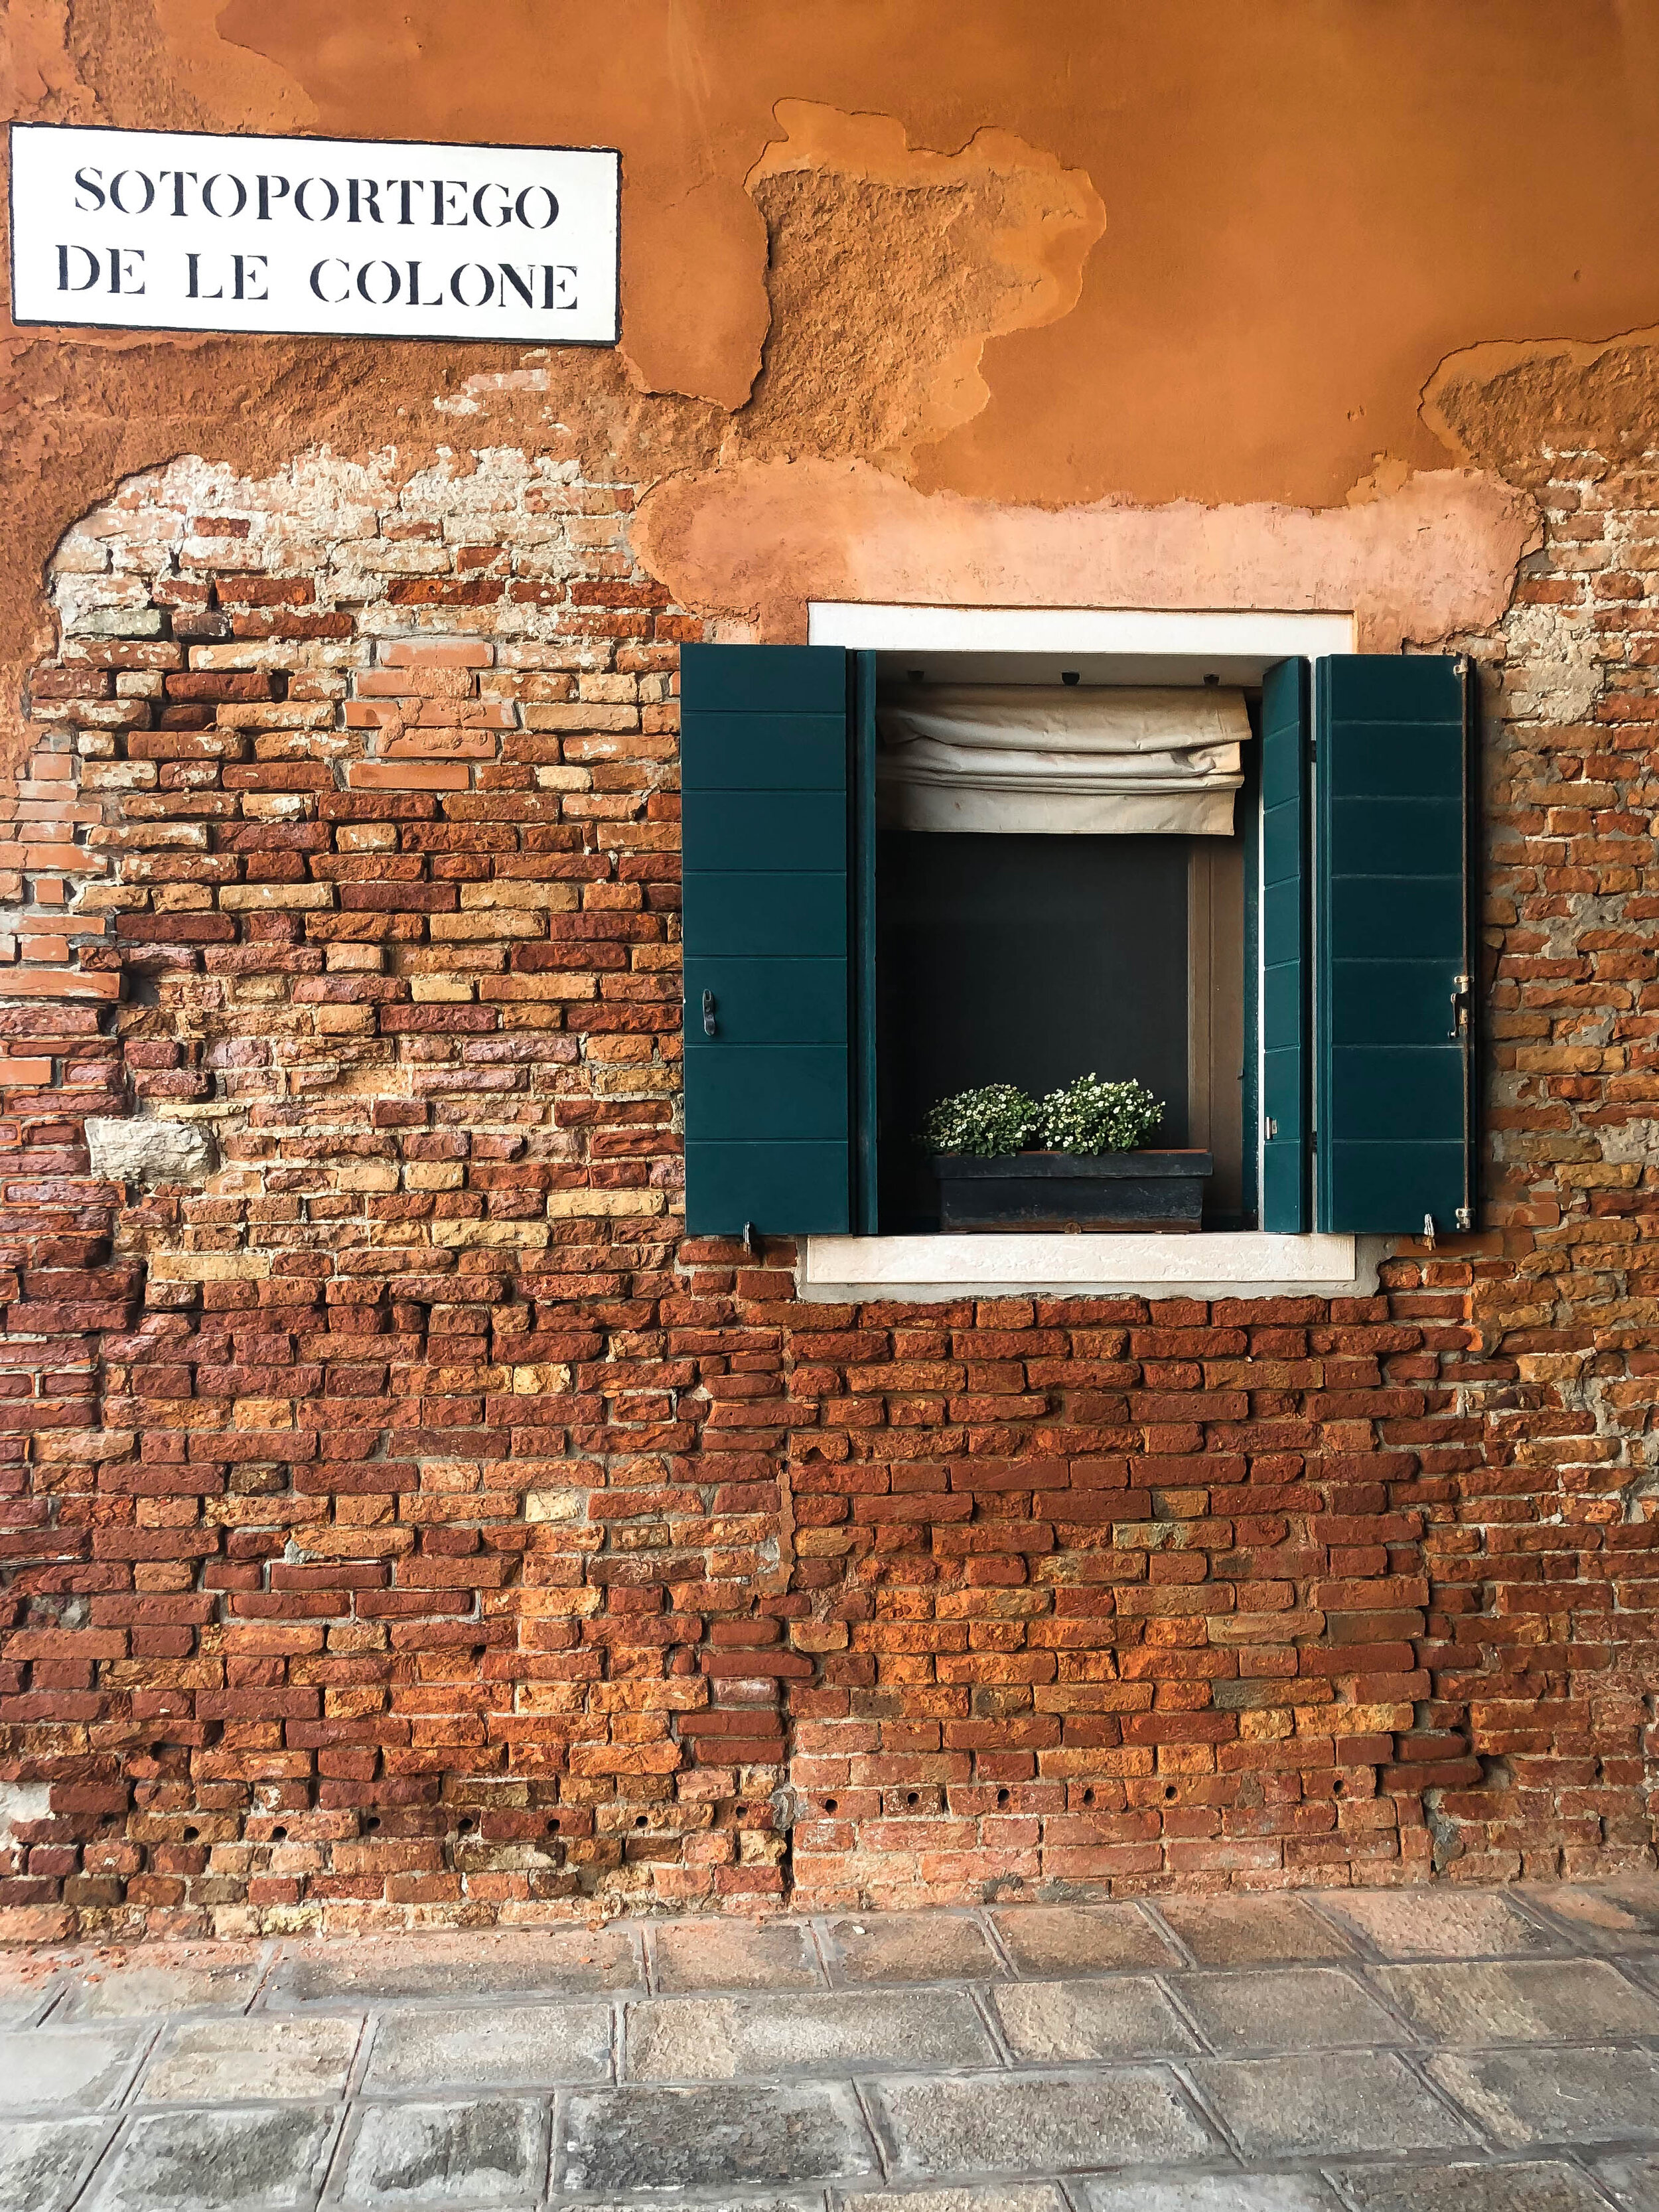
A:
379,291
304,186
122,181
94,265
224,180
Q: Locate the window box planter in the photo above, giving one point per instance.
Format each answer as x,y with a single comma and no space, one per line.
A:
1162,1190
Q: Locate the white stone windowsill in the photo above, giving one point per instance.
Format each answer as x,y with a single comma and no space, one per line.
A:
1221,1264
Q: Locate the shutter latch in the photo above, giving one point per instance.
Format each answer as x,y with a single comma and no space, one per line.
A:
1460,1000
1428,1230
709,1025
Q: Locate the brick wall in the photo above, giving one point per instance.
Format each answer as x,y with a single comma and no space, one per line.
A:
404,1521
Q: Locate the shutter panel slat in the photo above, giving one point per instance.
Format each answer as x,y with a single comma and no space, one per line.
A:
1285,962
1395,1076
764,766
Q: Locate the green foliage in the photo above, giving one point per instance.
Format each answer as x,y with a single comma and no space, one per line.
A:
999,1119
1087,1116
1091,1116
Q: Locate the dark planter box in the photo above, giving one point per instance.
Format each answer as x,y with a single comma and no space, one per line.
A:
1072,1190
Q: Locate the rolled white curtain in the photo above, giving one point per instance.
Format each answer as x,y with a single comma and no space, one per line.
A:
1060,759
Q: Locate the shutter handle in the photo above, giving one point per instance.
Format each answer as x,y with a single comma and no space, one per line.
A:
709,1025
1459,1003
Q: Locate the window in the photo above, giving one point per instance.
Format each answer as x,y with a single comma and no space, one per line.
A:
831,971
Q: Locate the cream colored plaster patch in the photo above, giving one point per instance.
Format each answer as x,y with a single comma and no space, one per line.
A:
1419,565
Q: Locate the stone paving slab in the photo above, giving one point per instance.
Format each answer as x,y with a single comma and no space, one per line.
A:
143,1991
1618,1916
641,2139
910,1946
1126,2017
199,2161
1214,2192
719,2039
66,2069
212,2061
723,1954
1402,2051
1290,2008
1053,2122
533,2046
1441,1923
1252,1931
1519,2002
1063,1939
43,2163
446,1969
1534,2185
1634,2181
1588,2094
1330,2100
471,2152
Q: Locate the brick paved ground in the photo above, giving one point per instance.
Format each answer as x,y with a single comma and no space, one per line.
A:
1377,2051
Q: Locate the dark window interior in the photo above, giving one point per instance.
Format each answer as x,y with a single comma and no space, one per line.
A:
1027,960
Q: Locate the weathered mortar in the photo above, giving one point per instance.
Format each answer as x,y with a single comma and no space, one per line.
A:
410,1524
406,1523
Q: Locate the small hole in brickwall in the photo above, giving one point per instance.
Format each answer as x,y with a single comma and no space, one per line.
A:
832,1804
279,1835
465,1827
156,1749
1169,1792
640,1822
372,1823
191,1834
911,1797
738,1811
1336,1789
1088,1797
1002,1796
553,1826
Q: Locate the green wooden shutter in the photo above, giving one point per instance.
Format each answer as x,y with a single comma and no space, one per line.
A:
765,749
1285,966
1395,1078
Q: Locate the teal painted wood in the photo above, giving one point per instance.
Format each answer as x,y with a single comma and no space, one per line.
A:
1394,1079
764,749
1286,969
867,1162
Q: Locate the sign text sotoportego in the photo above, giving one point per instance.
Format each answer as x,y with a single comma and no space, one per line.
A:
185,231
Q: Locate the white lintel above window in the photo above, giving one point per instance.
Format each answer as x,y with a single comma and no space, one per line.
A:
1225,1263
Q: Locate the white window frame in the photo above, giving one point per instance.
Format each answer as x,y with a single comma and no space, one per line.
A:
1215,1263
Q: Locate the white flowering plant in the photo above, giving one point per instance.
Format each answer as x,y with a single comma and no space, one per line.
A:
996,1119
1092,1115
1087,1116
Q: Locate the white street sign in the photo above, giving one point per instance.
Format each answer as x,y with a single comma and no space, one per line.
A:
179,230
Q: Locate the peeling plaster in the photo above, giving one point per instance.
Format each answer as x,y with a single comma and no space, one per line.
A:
1514,406
1425,562
890,268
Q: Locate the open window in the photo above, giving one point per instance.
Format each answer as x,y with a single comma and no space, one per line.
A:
1294,981
1059,893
